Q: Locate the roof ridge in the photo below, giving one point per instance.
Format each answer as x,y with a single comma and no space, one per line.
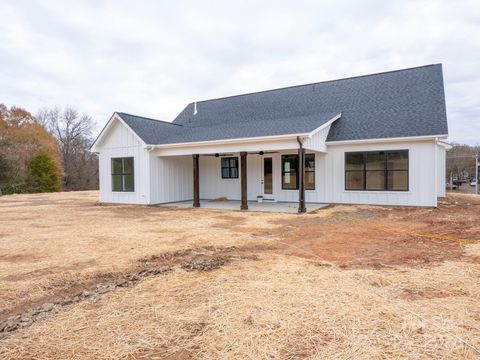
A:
146,118
315,83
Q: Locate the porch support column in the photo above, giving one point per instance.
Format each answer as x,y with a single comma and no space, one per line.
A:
196,181
243,180
301,178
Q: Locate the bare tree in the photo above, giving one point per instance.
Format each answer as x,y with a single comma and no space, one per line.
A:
461,161
74,135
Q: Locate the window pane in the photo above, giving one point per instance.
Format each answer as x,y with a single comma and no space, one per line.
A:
225,162
290,162
129,185
267,176
397,160
117,183
233,162
375,161
116,166
225,172
398,180
375,180
289,180
353,161
234,172
354,180
310,180
309,162
128,165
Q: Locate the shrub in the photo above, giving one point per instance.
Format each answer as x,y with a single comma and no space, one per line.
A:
43,174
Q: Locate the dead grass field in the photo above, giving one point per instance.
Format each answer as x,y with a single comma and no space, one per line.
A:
133,282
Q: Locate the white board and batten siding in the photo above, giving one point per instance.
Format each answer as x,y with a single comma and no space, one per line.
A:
422,176
171,178
317,141
441,171
120,141
165,175
157,180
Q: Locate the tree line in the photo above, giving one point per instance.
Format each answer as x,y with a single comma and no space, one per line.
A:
461,161
47,152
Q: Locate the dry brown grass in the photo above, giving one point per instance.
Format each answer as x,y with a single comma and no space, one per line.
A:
281,306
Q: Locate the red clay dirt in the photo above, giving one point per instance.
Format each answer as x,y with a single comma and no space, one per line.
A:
380,236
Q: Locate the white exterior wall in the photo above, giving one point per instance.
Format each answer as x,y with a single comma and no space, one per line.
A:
213,186
171,178
441,171
121,142
422,176
330,177
163,179
317,141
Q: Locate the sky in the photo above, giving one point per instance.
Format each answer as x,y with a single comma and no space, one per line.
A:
152,58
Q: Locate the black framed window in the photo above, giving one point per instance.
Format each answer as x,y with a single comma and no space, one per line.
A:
229,167
290,172
123,174
377,170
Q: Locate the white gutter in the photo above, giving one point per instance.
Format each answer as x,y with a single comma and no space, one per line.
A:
386,140
445,145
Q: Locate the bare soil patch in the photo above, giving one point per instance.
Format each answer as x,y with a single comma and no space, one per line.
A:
379,236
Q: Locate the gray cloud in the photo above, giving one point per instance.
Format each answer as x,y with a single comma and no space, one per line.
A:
152,58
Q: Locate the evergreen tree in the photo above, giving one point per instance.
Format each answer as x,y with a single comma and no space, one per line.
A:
43,174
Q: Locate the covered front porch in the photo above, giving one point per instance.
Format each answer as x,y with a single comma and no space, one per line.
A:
283,173
266,206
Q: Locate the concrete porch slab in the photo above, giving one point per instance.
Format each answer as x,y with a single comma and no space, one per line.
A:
282,207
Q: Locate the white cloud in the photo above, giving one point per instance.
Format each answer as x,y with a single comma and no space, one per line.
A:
152,58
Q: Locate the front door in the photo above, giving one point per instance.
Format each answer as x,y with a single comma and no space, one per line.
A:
267,178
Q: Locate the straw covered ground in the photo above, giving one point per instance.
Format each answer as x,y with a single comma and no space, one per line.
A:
82,280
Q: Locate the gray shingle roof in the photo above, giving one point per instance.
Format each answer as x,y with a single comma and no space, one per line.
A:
402,103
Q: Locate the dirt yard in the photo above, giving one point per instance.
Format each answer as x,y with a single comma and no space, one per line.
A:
87,281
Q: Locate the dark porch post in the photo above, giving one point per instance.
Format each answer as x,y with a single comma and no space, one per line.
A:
243,180
196,181
301,178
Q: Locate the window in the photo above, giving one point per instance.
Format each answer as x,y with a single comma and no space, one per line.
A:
229,168
377,170
310,171
290,172
122,174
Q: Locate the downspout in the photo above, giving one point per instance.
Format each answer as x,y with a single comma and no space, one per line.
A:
301,177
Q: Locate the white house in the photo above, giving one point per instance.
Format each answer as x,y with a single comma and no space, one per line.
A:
373,139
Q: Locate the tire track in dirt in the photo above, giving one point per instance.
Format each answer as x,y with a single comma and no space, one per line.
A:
198,259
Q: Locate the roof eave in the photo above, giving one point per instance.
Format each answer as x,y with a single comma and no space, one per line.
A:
230,141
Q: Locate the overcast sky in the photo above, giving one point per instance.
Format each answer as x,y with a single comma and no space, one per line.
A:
151,58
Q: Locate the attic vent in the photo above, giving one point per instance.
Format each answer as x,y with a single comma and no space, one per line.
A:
195,112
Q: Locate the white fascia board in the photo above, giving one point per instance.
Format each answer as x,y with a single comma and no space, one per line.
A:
230,141
387,140
107,126
328,123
